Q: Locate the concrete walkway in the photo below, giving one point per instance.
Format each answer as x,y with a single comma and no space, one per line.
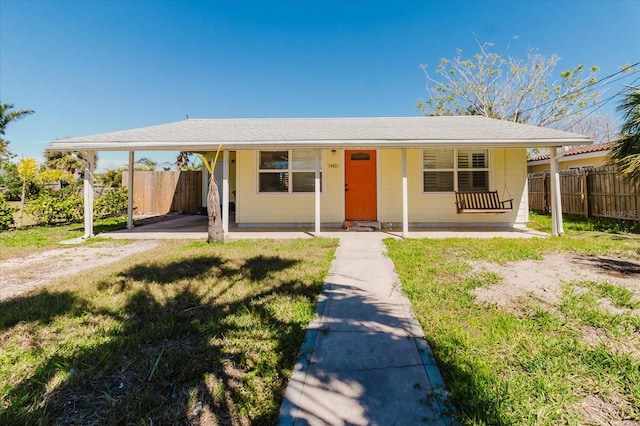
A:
364,360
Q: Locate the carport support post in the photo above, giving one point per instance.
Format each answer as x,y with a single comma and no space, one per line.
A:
556,200
130,191
88,194
317,191
225,192
405,196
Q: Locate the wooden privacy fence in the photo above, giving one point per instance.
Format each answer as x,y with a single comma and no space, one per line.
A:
600,192
166,192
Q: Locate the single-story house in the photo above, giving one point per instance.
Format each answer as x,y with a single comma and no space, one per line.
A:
325,171
577,157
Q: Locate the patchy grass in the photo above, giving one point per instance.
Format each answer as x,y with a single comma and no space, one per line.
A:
30,239
535,365
186,333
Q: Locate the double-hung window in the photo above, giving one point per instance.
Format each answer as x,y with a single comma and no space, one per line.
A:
448,170
287,171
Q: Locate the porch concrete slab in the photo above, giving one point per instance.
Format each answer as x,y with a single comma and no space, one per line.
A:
194,227
364,360
188,227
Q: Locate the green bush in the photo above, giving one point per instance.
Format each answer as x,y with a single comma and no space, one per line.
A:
56,207
110,204
6,214
111,178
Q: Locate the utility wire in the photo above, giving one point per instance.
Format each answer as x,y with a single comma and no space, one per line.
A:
626,69
596,107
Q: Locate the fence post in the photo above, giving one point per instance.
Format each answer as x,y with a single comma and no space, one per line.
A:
585,192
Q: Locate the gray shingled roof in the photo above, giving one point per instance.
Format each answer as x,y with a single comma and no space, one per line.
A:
373,132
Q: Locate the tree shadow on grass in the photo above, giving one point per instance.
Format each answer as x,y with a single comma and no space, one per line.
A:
259,267
179,270
42,307
177,361
255,268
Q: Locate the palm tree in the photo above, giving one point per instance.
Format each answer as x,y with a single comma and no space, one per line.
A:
145,164
6,117
626,150
183,160
64,160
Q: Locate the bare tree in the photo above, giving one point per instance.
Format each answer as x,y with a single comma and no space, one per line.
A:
508,88
599,127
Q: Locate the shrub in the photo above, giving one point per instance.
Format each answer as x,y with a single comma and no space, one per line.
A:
56,207
6,214
111,178
111,203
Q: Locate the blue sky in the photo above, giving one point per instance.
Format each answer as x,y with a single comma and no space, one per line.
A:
90,67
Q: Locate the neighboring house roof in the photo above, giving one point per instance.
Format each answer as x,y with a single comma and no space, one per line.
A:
274,133
596,148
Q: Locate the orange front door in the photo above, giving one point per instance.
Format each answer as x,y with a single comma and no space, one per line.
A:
360,185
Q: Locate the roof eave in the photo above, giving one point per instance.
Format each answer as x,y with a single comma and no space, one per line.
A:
79,145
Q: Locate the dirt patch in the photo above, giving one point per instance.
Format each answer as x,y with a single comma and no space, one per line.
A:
542,279
596,411
23,274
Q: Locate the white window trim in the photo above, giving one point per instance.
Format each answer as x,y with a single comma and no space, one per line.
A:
455,169
290,170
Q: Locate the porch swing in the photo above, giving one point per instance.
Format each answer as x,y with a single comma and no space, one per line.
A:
470,202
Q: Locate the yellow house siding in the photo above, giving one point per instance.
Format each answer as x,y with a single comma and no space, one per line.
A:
516,188
272,208
390,186
564,163
424,208
440,208
584,162
538,168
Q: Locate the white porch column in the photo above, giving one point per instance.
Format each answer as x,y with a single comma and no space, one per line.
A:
405,195
225,191
317,191
556,200
88,194
130,191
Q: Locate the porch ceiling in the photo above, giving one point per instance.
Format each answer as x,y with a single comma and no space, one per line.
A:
327,133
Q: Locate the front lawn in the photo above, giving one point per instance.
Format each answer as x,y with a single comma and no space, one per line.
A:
20,242
186,333
573,362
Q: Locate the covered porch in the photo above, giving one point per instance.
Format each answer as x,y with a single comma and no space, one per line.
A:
403,141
